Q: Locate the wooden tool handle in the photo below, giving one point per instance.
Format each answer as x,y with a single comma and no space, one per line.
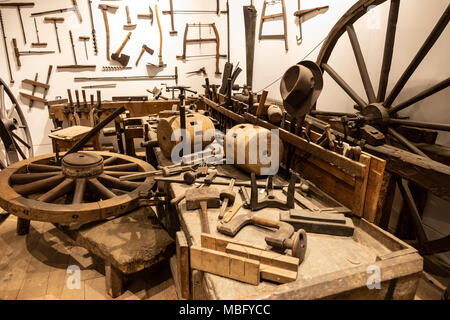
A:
262,102
128,15
265,222
124,43
105,19
178,199
84,38
140,56
160,36
53,19
204,217
16,52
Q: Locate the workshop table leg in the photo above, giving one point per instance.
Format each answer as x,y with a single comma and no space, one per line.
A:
114,280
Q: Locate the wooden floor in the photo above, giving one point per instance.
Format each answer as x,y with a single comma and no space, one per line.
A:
34,267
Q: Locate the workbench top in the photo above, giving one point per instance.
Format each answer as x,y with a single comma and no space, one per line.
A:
328,258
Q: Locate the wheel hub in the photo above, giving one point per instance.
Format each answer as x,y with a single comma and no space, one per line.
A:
375,112
82,165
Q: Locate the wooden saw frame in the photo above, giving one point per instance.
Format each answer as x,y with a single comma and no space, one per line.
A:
199,40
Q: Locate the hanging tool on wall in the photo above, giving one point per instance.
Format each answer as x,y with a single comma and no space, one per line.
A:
304,15
144,49
129,25
38,43
123,59
201,71
115,68
281,15
173,32
105,86
76,65
93,32
161,63
11,79
133,78
73,8
147,15
85,39
105,8
35,84
18,53
250,15
55,20
216,39
19,5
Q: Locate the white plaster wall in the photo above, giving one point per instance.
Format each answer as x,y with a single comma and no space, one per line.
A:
417,18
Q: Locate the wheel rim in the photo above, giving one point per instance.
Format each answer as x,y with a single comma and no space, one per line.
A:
36,189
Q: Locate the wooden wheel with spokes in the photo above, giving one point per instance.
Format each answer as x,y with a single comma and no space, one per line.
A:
84,188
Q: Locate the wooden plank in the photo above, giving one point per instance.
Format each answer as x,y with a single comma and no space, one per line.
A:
182,250
374,182
225,265
359,194
34,98
36,83
209,241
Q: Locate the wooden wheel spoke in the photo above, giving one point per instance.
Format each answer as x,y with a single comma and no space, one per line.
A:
341,82
100,188
19,150
110,161
2,102
421,54
122,167
361,63
15,136
422,95
11,111
33,167
39,186
22,178
113,182
119,174
420,124
409,200
400,138
80,188
60,190
388,49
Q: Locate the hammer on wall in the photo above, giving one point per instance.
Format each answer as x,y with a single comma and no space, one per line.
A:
144,49
123,59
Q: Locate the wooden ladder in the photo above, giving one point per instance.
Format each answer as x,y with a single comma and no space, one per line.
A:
281,15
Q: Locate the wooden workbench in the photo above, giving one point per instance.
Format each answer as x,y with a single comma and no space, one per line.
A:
334,267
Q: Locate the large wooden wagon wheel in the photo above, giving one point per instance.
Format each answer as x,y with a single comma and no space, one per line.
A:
14,131
84,188
377,120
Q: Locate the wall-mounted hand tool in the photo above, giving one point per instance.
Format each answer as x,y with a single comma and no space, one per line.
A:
157,93
123,59
105,86
38,43
144,49
85,39
19,5
129,25
76,65
93,32
304,15
160,56
173,32
73,8
250,15
18,53
147,15
34,84
115,68
11,79
216,39
202,71
55,20
133,78
105,8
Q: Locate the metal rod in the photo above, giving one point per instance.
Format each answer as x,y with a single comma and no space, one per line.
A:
421,54
73,46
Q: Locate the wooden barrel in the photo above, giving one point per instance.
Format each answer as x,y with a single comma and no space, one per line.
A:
198,128
249,147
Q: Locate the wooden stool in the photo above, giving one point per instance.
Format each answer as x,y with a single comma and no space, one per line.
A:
127,244
66,138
